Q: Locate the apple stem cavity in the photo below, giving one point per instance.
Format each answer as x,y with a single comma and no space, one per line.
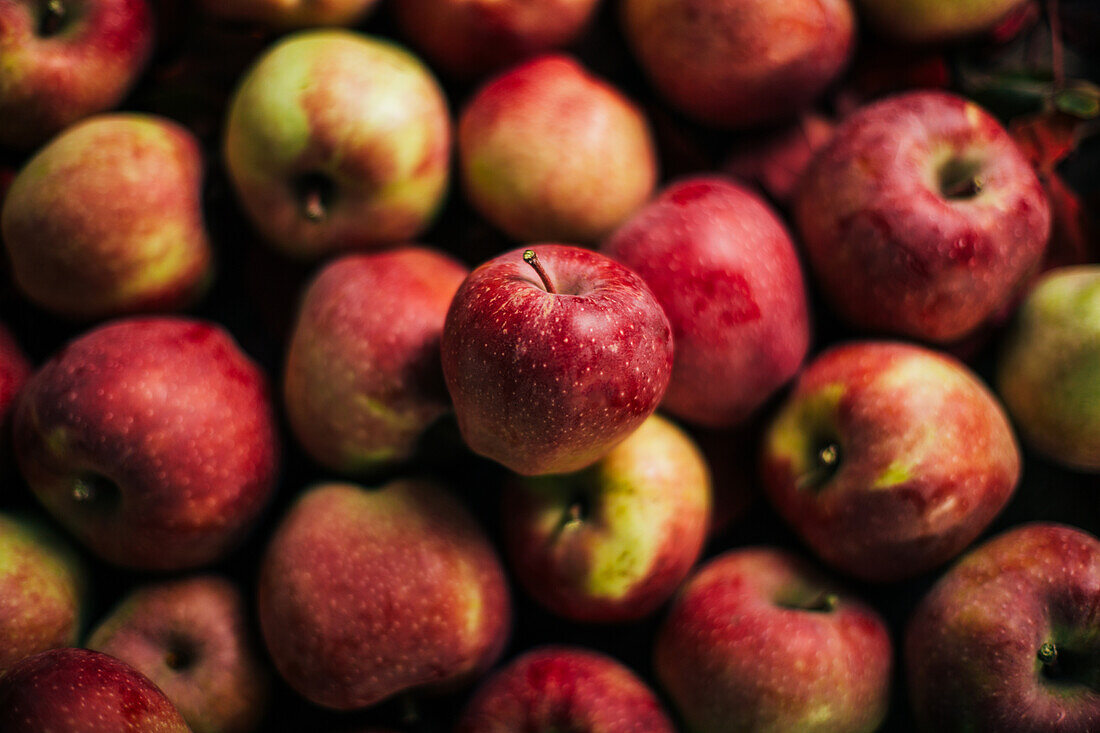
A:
825,463
960,179
52,19
532,259
95,492
1048,655
180,655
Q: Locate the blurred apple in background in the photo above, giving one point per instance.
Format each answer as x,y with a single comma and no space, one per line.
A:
936,21
338,141
107,219
550,152
284,14
363,378
775,159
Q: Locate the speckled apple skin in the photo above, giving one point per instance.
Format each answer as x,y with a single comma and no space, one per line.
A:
971,645
224,687
927,459
364,594
648,510
14,370
42,587
1049,370
285,14
936,21
740,63
468,39
363,378
81,691
891,253
564,688
107,219
549,383
50,83
171,411
723,267
360,111
549,152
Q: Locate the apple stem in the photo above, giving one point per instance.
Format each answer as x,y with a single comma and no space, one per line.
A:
1057,50
576,512
313,207
826,601
53,19
1048,655
532,259
965,188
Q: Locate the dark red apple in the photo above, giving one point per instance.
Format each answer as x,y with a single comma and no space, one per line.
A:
14,370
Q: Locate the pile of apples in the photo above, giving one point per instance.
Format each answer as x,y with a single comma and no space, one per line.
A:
528,366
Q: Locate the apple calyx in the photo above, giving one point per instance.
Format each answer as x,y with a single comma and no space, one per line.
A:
825,463
532,259
314,192
53,18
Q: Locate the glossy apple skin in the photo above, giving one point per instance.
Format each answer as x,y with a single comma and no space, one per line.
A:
42,587
564,688
468,39
81,691
1049,368
549,382
48,83
972,645
757,640
936,21
190,637
152,440
740,63
723,267
644,510
891,252
286,14
549,152
107,219
927,459
360,114
364,594
363,378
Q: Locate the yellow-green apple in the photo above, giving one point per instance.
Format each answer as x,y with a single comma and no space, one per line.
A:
42,586
614,541
1049,371
775,159
191,638
758,640
284,14
1007,639
921,218
563,688
152,440
549,152
552,355
723,267
468,39
740,63
363,378
936,21
61,60
338,141
364,594
82,691
107,219
888,459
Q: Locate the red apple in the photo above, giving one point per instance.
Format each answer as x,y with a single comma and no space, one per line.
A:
889,459
759,641
921,218
1006,640
568,689
152,440
775,159
725,271
552,355
285,14
550,152
936,21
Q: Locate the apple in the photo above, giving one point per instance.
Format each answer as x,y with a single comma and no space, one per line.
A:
723,267
740,63
549,152
564,688
365,594
922,217
757,640
190,637
774,160
1049,368
363,378
1006,640
552,355
107,219
937,21
888,459
42,585
152,440
337,141
468,39
283,14
614,541
61,60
